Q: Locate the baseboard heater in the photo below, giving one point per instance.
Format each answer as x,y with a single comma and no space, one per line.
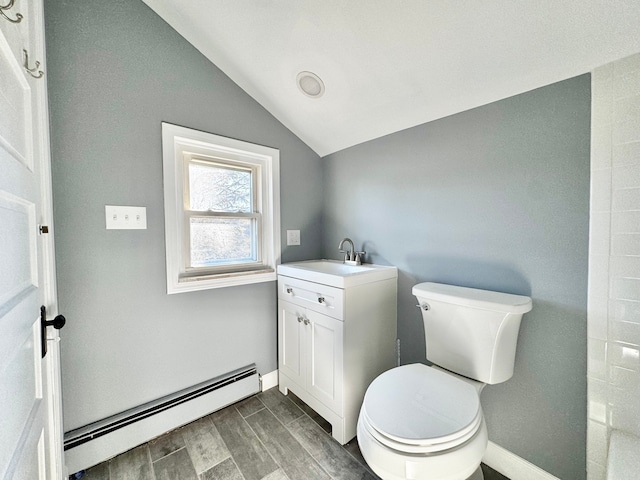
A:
99,441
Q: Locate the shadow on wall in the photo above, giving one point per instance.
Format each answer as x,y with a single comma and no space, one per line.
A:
469,272
464,272
372,255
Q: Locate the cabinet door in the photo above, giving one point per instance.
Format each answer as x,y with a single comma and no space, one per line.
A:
291,341
324,371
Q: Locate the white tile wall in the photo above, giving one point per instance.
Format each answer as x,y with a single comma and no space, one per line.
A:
614,259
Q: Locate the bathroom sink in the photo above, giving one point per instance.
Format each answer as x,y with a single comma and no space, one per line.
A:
337,274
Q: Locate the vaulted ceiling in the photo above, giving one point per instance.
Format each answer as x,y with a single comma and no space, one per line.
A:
388,65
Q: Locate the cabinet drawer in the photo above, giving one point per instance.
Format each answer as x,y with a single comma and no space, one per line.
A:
314,296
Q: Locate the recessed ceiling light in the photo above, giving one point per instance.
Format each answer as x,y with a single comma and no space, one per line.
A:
310,84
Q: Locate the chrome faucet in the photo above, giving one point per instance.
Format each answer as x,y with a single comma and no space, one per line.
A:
351,257
348,256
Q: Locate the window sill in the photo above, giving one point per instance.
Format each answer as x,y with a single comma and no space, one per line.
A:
220,280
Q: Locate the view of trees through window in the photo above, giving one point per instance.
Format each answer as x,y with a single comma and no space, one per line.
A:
223,239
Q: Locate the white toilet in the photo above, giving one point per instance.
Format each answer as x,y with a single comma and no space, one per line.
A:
420,422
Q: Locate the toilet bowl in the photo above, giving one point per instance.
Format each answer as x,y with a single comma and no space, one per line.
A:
424,422
419,422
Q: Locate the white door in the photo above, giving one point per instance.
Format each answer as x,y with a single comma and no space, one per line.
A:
325,354
30,424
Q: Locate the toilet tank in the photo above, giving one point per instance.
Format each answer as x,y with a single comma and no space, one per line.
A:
471,332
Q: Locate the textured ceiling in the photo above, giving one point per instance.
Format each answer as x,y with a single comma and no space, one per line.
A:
391,64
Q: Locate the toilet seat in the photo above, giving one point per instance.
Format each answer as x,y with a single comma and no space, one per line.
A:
418,409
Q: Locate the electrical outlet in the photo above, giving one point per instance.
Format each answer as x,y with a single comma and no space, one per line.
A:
125,218
293,237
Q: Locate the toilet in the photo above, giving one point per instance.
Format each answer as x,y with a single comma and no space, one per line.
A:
426,422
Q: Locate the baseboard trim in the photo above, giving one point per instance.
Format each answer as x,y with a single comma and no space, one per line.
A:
512,466
269,380
120,440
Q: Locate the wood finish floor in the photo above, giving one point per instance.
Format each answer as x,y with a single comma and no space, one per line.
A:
268,436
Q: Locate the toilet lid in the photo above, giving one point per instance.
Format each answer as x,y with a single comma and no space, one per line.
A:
417,404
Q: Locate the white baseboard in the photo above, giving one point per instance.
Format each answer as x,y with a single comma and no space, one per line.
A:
269,380
512,466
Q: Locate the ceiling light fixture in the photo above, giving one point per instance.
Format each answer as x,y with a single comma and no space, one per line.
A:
310,84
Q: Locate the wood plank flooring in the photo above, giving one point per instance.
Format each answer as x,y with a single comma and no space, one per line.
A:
268,436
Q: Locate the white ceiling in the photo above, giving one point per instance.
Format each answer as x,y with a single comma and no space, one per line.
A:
392,64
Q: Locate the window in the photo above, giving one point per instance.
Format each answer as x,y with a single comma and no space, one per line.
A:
222,210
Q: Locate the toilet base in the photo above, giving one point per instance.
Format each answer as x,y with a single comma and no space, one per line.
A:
477,475
459,463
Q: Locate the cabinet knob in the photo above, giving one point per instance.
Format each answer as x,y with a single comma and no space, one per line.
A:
299,319
321,300
289,290
306,321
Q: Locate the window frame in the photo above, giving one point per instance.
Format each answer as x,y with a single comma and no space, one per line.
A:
181,146
255,215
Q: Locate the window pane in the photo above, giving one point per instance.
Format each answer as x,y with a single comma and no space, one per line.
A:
221,241
219,189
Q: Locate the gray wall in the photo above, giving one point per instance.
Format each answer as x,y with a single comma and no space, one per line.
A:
494,198
115,71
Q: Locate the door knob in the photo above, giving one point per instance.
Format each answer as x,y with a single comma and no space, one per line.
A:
57,323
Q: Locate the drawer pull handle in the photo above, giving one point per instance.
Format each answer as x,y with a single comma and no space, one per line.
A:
290,290
321,300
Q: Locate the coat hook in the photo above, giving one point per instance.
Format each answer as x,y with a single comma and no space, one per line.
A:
8,6
31,70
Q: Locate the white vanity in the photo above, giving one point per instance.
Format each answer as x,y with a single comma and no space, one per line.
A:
336,333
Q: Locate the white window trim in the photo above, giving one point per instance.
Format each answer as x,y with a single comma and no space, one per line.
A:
176,141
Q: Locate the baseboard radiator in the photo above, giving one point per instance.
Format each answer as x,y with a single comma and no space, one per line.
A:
99,441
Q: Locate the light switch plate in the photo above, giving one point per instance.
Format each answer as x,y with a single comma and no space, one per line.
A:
293,237
120,217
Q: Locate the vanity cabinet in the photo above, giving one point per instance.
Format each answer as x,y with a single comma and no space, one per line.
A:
332,342
311,354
